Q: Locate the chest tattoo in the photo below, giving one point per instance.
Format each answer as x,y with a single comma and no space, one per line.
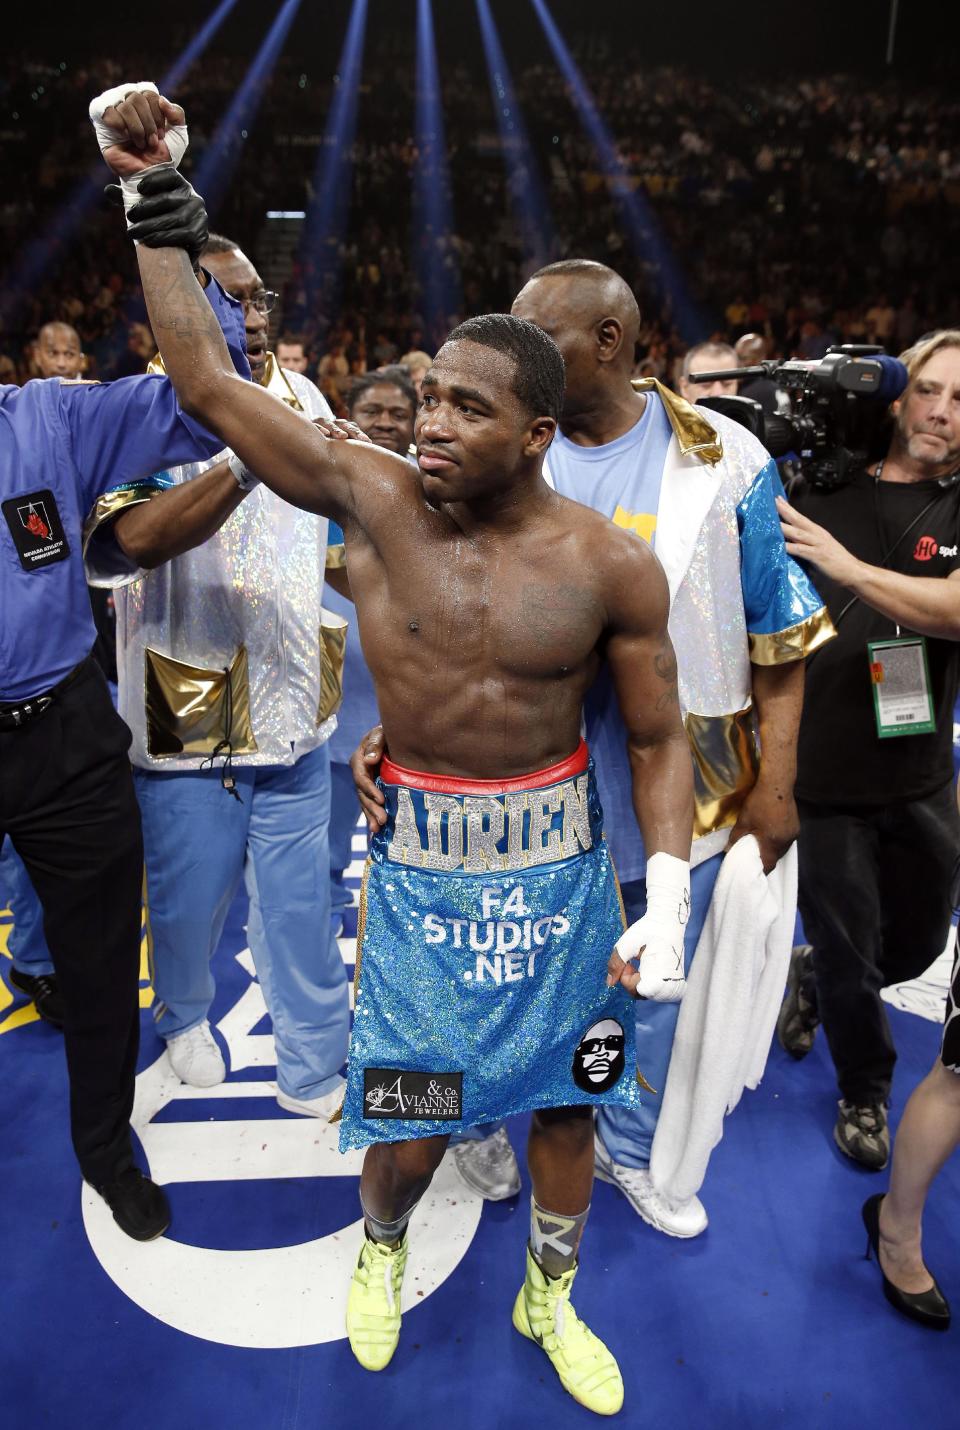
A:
556,609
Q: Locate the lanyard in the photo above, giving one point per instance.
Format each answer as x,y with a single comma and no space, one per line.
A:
882,535
881,532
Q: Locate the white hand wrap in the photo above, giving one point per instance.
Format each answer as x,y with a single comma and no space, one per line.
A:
660,932
242,475
175,137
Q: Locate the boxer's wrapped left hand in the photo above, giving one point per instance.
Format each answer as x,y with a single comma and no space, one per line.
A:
657,938
137,130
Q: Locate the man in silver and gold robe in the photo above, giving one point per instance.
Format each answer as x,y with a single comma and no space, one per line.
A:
229,679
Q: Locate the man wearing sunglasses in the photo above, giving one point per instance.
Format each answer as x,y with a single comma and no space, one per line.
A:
220,655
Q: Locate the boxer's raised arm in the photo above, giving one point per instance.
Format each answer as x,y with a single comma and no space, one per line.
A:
284,449
138,130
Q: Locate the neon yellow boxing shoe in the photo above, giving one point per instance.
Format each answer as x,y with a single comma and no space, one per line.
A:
373,1305
542,1312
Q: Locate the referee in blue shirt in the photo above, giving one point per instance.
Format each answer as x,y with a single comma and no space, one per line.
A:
66,791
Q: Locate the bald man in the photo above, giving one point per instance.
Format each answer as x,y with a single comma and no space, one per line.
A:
708,357
57,351
699,489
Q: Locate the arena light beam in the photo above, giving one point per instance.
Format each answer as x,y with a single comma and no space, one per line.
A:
642,228
437,261
527,195
89,190
330,207
196,47
220,157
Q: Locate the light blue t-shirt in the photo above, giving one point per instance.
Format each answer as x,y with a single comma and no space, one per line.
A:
622,480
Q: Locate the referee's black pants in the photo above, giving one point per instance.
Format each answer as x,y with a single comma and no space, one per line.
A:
67,802
876,895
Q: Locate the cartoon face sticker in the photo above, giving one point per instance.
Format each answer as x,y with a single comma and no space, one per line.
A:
599,1057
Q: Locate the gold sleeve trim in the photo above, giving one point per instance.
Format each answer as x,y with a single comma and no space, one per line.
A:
725,764
106,564
333,650
794,643
692,430
336,557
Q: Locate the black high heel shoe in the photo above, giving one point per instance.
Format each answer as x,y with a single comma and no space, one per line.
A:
929,1308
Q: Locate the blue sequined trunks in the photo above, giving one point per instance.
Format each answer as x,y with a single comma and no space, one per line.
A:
488,913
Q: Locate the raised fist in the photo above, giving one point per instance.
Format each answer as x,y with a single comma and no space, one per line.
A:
139,130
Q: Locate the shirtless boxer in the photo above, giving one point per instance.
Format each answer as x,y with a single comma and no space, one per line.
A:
486,604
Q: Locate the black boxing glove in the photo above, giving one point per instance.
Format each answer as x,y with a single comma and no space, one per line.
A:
168,214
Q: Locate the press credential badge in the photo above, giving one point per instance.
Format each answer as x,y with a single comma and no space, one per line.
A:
900,674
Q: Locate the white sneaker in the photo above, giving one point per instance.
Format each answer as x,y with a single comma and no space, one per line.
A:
489,1166
682,1219
195,1057
324,1106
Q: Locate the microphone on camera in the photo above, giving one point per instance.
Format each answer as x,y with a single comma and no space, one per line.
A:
893,377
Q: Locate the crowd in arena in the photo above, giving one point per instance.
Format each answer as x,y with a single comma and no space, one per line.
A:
809,209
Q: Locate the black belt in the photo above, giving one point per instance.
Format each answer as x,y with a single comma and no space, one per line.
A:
15,716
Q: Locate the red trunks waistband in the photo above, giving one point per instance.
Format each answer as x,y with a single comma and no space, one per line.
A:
574,764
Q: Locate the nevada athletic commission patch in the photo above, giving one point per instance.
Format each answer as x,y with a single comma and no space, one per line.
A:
37,530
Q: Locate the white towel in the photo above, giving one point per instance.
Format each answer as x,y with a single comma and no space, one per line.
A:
728,1013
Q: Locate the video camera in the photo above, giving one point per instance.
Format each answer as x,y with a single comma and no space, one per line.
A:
839,405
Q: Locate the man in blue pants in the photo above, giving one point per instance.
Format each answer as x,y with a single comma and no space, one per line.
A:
224,684
32,971
222,658
743,616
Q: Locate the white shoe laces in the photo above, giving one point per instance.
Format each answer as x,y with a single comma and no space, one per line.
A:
198,1040
642,1187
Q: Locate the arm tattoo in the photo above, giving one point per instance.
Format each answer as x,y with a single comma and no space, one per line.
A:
665,666
183,309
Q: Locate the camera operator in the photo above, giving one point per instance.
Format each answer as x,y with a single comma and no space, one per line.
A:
718,356
879,827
